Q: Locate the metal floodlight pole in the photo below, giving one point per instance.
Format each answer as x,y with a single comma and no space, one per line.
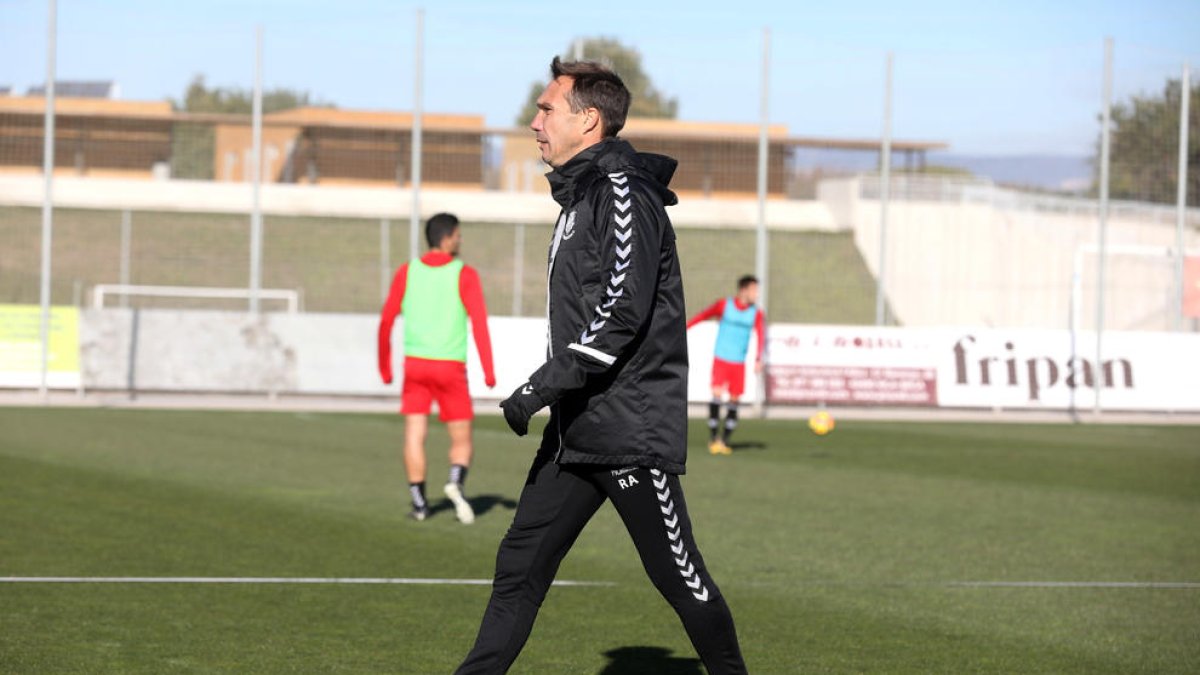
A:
1185,95
256,176
1105,123
414,225
48,193
885,181
761,266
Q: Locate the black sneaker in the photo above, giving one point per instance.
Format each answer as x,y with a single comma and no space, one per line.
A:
419,514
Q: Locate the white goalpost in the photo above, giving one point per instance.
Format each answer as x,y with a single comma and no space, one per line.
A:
290,297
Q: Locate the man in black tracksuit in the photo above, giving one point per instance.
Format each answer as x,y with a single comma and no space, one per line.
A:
615,379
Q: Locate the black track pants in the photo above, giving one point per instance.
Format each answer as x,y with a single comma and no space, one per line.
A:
555,505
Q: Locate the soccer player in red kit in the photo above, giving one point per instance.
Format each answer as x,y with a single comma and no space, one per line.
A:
738,316
436,294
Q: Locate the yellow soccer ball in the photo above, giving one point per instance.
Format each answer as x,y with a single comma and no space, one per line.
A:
821,423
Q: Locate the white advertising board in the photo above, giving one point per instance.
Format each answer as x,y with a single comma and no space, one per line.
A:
850,365
1047,369
983,368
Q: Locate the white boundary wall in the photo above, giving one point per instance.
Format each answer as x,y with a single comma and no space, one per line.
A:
969,367
973,367
985,257
222,351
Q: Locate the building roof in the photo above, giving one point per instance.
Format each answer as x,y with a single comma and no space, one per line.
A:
78,89
669,129
94,107
646,126
311,116
873,144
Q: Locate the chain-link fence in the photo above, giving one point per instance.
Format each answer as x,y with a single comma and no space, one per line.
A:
150,194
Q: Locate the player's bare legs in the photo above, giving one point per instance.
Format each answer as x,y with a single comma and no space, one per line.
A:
461,451
416,427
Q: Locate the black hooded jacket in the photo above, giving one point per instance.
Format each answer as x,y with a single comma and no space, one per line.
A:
617,367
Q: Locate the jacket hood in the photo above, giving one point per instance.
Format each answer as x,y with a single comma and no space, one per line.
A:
609,156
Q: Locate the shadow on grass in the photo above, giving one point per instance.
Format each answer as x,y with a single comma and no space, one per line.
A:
649,661
480,503
748,445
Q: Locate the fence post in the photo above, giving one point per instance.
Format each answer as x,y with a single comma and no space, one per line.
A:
414,224
47,196
885,179
256,176
1185,95
762,265
126,245
762,268
1105,120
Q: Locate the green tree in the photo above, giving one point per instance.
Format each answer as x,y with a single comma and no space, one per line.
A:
198,97
1144,155
192,143
648,101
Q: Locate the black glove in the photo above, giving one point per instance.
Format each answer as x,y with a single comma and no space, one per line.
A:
519,407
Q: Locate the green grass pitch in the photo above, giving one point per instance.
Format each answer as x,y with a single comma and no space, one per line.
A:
852,553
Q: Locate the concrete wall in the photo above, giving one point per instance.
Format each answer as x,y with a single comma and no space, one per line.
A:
235,352
220,351
307,200
987,264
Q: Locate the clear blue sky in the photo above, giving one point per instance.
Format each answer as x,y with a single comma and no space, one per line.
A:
990,78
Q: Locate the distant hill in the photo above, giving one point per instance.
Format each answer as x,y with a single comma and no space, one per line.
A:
1060,173
1046,172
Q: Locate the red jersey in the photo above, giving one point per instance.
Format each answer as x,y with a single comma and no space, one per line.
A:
470,291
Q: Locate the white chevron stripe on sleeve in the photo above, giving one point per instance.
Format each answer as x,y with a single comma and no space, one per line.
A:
622,219
600,356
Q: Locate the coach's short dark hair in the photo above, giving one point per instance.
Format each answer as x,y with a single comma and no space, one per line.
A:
439,227
595,86
746,281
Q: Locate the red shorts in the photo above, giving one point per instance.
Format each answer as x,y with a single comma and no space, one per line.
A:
428,380
729,375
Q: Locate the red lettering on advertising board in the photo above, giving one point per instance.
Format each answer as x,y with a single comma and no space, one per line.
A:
852,385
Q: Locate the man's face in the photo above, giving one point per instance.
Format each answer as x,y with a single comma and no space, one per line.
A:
749,294
560,133
452,243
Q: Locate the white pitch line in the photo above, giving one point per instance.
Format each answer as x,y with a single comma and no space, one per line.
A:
273,580
1075,584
